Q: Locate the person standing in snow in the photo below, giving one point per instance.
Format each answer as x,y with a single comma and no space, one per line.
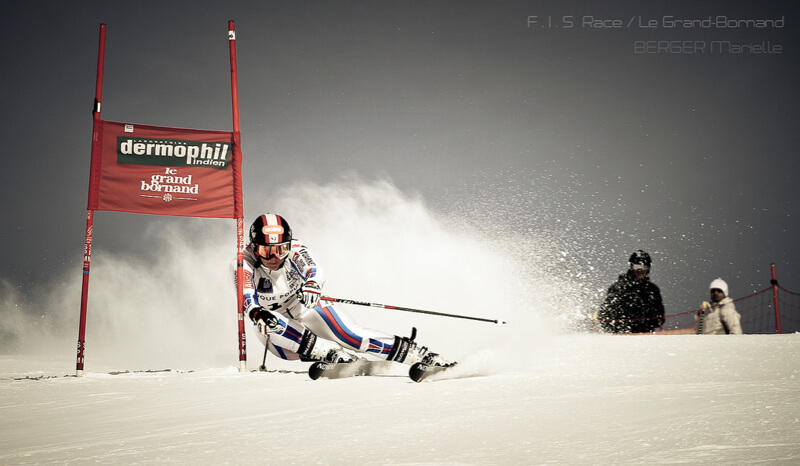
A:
282,290
633,303
720,317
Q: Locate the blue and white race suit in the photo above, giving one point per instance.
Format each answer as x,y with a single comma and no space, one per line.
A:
276,291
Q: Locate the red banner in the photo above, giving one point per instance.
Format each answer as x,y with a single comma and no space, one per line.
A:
165,171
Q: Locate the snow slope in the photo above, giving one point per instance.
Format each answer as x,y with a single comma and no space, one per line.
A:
579,399
541,395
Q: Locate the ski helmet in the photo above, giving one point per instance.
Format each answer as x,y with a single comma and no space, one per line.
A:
640,260
271,230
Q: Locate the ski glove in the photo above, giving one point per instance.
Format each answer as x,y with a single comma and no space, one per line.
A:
266,321
310,294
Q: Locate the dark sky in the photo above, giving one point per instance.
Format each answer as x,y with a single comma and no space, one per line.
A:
496,109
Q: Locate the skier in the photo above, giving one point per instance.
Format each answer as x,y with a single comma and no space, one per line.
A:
633,303
721,317
282,290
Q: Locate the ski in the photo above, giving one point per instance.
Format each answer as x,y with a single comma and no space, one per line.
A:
421,371
330,370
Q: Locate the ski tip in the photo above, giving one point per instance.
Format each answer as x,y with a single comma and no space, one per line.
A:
316,370
418,371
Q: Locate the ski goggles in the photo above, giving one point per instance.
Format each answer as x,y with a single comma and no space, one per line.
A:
641,267
280,250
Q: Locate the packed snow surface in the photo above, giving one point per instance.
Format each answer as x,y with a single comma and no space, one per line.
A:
162,383
572,399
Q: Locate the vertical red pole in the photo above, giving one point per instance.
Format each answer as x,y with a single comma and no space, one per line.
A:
774,282
238,201
87,246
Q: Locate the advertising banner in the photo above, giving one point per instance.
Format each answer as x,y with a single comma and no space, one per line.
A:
165,171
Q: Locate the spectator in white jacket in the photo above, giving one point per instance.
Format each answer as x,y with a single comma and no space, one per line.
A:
719,317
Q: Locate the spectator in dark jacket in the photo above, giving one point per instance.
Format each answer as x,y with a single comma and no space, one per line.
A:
633,303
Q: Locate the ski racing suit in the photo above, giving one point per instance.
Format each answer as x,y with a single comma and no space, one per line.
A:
277,292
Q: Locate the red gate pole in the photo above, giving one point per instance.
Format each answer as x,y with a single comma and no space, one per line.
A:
774,282
238,208
87,246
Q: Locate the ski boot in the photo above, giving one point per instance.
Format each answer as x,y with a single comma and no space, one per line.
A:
406,351
313,348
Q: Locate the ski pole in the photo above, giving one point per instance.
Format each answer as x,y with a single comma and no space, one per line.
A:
263,366
398,308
